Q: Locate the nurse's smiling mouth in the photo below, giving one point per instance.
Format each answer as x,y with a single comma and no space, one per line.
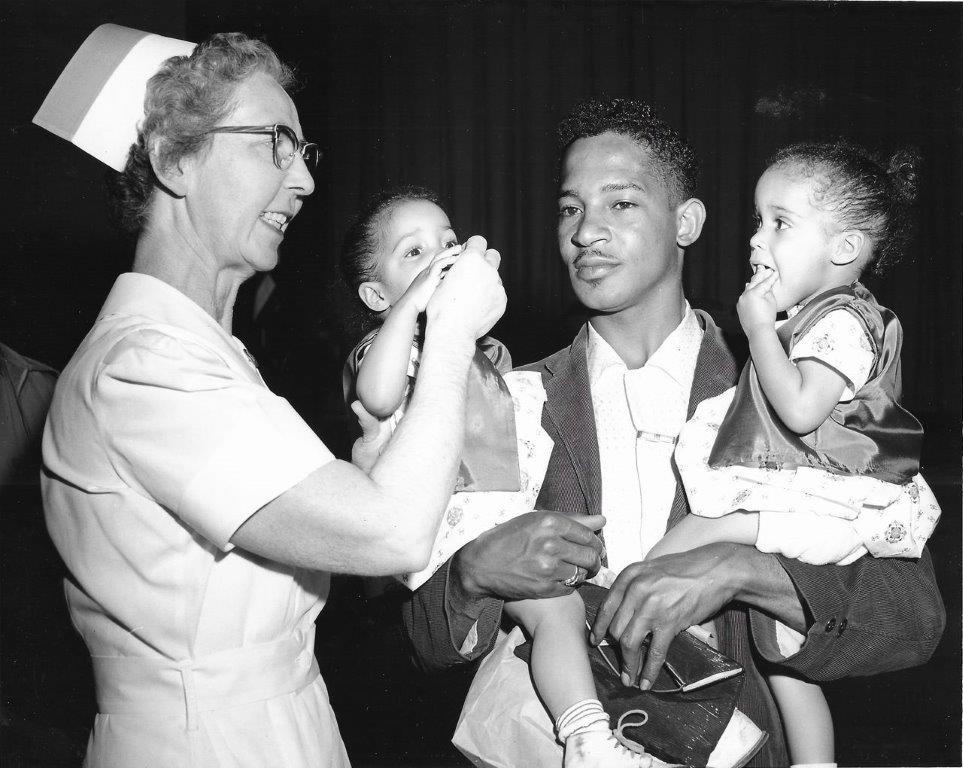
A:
276,220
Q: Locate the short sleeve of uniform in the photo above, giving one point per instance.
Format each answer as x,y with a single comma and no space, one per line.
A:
196,436
840,341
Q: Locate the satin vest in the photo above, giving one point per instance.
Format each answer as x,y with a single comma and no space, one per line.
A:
489,457
869,435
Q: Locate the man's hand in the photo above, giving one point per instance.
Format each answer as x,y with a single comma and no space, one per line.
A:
471,298
661,598
529,556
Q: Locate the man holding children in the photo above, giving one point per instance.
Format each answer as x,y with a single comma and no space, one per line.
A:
627,211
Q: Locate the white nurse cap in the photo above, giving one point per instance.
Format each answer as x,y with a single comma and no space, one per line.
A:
97,102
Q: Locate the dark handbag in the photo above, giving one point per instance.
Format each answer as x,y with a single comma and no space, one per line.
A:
682,717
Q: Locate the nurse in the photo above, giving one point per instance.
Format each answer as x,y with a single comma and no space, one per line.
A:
198,515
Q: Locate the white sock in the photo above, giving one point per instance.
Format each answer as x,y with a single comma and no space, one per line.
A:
586,715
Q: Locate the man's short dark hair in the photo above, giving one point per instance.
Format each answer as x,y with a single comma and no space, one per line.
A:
677,162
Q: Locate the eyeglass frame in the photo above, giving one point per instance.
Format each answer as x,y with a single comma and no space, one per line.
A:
301,146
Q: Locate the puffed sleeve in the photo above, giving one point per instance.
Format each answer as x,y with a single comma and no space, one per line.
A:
196,436
497,352
840,340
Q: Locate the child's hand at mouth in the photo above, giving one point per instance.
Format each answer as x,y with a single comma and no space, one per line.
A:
757,304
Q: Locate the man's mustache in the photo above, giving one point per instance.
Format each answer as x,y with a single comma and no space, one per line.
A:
591,257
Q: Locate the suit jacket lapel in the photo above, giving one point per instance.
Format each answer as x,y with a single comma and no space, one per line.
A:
715,372
569,406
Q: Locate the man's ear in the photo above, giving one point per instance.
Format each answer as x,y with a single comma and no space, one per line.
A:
849,245
372,293
690,216
173,178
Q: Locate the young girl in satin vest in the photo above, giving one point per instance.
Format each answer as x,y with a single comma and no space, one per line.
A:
811,455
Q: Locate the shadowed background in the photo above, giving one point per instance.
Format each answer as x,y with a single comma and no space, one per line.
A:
464,97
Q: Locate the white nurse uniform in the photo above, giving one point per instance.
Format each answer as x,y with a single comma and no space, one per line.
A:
162,440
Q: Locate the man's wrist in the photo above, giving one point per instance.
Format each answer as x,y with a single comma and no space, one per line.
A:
737,567
473,621
465,587
759,580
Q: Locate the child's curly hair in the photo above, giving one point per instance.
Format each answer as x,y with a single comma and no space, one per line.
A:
860,191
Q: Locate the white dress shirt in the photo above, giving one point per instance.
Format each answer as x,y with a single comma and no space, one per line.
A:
638,416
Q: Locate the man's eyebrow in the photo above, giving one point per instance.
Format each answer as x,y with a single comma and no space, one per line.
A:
621,186
615,186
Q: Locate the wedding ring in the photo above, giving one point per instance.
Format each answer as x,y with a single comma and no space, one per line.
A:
574,579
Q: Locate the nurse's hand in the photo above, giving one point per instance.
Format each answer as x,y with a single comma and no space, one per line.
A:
471,298
423,287
375,434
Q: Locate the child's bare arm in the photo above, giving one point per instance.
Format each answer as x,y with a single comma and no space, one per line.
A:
383,373
803,394
694,531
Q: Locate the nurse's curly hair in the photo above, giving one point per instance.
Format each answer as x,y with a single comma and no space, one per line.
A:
185,99
677,163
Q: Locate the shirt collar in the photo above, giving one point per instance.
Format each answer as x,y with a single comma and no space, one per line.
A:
676,356
139,295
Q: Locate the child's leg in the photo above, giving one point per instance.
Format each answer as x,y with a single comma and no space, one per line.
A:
557,628
563,677
806,718
693,531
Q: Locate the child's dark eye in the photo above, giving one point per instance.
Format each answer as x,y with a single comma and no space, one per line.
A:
781,224
623,205
567,210
451,243
414,252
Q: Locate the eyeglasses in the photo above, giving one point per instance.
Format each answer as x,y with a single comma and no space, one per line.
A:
286,143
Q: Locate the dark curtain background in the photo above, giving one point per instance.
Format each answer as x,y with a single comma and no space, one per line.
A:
464,97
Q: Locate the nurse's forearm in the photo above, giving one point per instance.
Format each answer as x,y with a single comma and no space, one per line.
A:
340,519
417,468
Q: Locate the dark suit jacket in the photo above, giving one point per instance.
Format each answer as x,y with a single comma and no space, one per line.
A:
869,617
